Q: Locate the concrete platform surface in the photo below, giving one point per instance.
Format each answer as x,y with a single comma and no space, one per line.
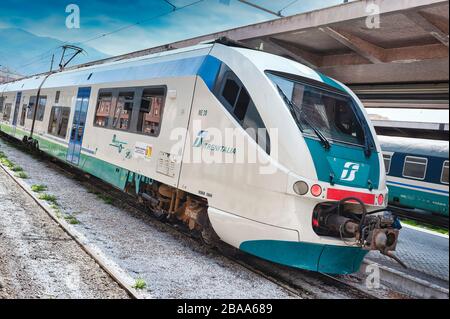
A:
425,253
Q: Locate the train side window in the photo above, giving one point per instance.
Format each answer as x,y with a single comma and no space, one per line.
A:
240,110
150,111
444,175
2,101
31,106
231,91
123,111
238,102
387,162
7,111
415,167
59,121
23,115
103,111
40,108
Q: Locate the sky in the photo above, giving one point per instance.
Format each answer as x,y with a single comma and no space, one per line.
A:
411,115
157,24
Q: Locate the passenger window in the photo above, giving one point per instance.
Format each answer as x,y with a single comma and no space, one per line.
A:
444,175
123,111
150,111
415,167
31,106
231,91
23,115
2,100
239,103
103,109
387,162
59,121
7,111
242,105
40,109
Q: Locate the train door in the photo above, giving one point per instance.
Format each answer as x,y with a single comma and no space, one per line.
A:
16,108
78,126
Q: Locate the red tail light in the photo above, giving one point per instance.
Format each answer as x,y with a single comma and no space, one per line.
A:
380,199
316,190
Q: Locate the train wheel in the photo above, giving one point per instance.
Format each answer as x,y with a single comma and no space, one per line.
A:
35,145
209,236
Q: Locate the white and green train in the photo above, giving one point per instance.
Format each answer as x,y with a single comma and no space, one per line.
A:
300,176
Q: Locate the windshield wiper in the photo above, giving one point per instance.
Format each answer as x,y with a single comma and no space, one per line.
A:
367,142
326,144
292,106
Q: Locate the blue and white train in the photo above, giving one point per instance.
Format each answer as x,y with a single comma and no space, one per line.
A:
417,173
313,199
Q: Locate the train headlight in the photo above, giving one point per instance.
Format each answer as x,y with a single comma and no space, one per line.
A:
316,190
301,188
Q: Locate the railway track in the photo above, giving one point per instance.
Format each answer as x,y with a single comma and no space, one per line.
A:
299,283
292,280
86,248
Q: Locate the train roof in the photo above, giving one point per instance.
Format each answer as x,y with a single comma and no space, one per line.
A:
415,146
179,62
110,70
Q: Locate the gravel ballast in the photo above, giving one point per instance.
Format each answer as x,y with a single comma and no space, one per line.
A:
38,259
171,264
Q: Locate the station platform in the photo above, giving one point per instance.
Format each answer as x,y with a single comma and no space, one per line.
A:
424,252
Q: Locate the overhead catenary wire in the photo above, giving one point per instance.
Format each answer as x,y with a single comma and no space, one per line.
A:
140,22
288,6
278,14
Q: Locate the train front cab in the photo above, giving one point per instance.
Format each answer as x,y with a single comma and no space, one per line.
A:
263,214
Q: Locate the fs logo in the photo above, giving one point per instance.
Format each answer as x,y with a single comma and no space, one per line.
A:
349,172
199,140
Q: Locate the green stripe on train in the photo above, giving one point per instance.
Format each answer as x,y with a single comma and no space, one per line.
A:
329,259
112,174
434,203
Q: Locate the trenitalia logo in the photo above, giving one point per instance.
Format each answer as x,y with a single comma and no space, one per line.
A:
200,141
349,172
211,145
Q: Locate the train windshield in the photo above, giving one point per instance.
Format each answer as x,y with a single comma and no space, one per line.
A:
327,114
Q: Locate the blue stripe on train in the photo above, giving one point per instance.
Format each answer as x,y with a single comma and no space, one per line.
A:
418,187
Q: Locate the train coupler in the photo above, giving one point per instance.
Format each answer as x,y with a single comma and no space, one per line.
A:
377,230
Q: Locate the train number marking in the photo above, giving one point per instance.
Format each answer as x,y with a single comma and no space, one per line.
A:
203,113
